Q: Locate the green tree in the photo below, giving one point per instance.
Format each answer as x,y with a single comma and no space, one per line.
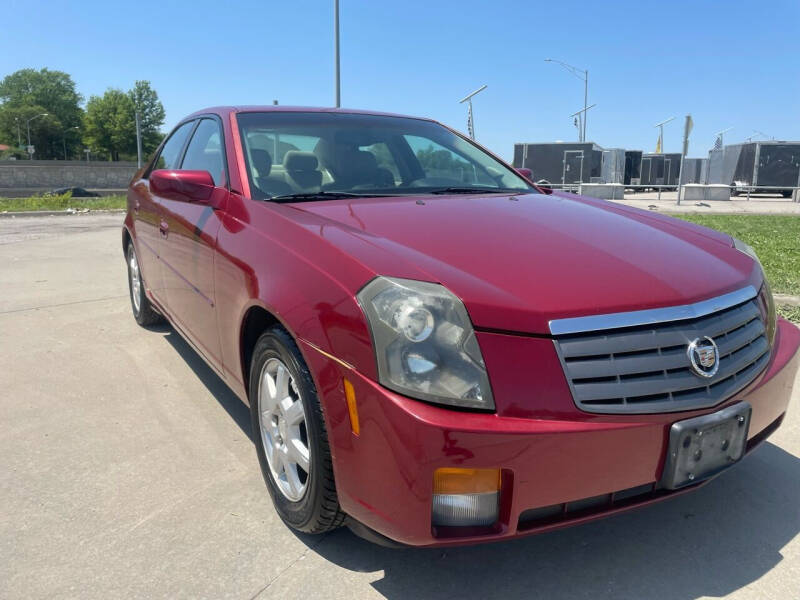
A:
27,93
109,124
151,114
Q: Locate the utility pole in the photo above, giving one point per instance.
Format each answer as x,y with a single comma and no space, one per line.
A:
687,129
581,114
583,75
470,117
719,135
19,135
64,139
28,125
336,52
138,142
661,131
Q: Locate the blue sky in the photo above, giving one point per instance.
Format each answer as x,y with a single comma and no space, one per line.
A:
730,64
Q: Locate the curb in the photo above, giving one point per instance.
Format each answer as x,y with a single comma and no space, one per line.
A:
58,213
786,299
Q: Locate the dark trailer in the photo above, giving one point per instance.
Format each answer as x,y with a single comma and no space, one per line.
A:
633,167
764,166
660,169
561,162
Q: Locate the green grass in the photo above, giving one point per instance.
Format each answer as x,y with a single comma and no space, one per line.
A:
61,202
791,313
775,238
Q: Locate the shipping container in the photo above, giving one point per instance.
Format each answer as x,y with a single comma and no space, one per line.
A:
633,167
613,167
694,170
561,162
757,167
660,169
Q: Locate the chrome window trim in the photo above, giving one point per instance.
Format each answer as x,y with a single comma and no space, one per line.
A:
651,316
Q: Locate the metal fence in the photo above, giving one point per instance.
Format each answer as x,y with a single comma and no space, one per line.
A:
739,191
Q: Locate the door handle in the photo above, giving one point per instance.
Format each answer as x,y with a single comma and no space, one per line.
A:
163,227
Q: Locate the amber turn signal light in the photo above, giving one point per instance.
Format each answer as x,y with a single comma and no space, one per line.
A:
350,397
465,481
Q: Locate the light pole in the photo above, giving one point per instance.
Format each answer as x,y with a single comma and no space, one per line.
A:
470,119
719,135
661,132
585,78
581,115
336,51
28,125
64,139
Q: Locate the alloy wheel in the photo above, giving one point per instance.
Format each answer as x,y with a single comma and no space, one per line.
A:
284,435
136,280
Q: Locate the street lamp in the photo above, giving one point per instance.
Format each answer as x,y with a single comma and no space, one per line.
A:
28,125
336,52
470,119
64,139
585,78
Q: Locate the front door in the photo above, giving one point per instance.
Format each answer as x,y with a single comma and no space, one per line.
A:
148,213
189,245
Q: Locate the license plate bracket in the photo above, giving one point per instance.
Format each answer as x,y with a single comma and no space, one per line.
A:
703,446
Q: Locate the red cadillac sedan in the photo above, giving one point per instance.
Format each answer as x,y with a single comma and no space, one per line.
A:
434,350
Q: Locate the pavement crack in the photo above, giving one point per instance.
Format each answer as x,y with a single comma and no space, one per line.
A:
289,566
19,310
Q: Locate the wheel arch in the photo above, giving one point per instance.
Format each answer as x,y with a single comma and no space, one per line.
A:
127,238
257,318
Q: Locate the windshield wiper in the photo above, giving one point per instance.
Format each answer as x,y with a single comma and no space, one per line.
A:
322,195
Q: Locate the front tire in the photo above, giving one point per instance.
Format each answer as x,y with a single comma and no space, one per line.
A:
290,436
143,310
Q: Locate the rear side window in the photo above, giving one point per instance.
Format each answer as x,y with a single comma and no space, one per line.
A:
204,152
171,152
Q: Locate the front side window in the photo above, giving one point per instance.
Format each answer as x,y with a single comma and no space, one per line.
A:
171,151
204,152
290,153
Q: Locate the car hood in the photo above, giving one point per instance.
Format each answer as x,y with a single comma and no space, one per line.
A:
518,262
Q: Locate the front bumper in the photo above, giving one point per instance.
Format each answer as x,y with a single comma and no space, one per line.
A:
560,466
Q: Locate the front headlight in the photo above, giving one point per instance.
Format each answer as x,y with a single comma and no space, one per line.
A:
766,303
424,343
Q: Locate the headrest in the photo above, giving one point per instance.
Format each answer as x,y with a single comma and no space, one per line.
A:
262,161
362,160
300,161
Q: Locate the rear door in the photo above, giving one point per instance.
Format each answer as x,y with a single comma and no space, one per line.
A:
148,214
190,242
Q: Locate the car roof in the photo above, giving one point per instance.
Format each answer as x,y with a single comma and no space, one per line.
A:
225,110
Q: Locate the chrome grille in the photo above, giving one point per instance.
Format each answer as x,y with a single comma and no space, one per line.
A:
646,368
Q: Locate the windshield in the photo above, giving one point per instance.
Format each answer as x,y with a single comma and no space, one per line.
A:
319,155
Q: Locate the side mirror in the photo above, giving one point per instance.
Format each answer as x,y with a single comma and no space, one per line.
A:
185,186
525,172
544,185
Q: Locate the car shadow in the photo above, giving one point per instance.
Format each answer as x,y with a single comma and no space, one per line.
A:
236,409
711,542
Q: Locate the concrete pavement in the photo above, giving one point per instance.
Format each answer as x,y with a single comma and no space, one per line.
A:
757,205
127,470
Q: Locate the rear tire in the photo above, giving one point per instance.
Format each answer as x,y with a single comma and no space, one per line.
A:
299,472
143,310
